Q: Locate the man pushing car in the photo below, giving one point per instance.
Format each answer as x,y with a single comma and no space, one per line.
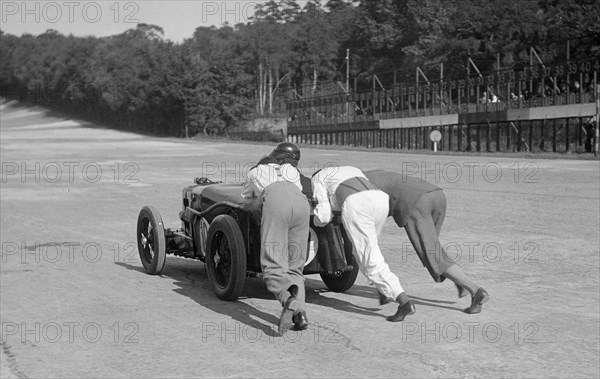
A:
364,209
274,185
419,207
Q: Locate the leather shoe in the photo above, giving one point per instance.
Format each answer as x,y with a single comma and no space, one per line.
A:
462,291
480,297
285,319
403,310
384,299
300,320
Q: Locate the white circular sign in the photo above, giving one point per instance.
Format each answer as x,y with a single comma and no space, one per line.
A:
435,136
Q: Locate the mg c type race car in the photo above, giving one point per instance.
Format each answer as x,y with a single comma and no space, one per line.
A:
217,230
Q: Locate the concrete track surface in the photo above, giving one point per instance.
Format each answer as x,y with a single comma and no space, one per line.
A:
75,301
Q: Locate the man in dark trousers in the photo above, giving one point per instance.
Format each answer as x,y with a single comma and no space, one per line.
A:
419,207
274,185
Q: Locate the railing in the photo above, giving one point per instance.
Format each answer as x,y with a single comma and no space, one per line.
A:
564,83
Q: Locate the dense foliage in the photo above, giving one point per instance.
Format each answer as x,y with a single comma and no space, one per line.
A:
220,76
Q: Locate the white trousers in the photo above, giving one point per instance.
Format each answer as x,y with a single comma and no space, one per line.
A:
363,215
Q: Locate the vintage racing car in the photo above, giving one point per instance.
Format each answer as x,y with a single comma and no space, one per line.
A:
217,230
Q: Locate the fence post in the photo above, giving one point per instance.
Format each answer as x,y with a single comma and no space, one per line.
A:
519,135
567,145
531,135
542,144
468,137
497,135
579,132
508,132
488,137
442,142
554,135
597,98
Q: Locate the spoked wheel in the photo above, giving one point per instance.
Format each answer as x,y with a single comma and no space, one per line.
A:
226,258
151,240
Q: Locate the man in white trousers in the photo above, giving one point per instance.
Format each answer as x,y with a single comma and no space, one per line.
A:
364,210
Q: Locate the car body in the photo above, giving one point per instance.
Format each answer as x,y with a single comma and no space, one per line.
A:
217,229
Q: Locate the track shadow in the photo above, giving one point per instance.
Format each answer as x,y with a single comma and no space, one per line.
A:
316,289
190,277
371,293
130,267
192,281
435,303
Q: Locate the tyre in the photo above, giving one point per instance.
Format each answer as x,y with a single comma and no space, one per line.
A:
343,281
151,240
226,258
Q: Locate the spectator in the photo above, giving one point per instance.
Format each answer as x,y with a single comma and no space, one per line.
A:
539,91
484,98
590,135
357,109
563,88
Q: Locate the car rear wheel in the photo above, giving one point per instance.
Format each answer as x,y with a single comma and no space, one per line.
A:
151,240
341,281
226,258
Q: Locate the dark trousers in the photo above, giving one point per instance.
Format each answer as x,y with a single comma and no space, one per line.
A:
423,230
284,241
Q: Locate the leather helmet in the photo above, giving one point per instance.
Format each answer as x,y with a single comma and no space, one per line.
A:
286,150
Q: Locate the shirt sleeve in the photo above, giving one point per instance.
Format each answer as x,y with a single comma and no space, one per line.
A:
250,190
322,211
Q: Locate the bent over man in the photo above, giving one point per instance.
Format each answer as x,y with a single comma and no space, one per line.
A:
364,210
419,207
284,235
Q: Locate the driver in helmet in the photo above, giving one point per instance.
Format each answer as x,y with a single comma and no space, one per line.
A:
287,152
284,230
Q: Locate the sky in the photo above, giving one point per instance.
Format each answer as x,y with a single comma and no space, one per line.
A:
100,18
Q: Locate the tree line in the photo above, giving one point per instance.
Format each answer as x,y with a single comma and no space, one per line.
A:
221,76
